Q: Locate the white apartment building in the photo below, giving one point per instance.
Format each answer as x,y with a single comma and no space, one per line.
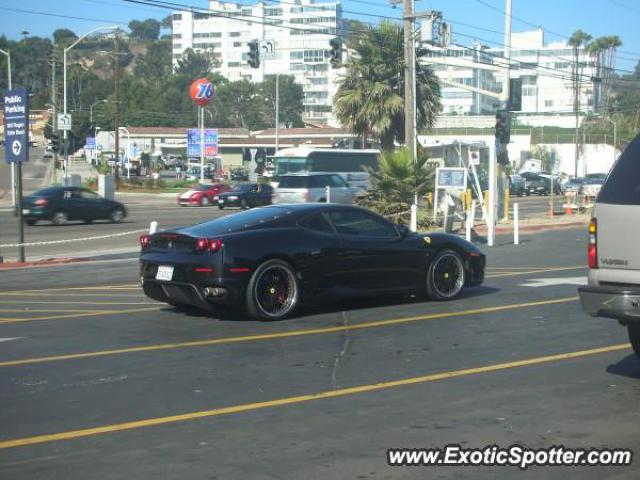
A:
299,29
546,71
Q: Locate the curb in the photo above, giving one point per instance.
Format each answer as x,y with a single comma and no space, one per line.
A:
533,228
42,263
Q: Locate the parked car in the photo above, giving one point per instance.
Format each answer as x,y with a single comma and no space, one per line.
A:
239,175
203,195
311,187
63,204
540,184
246,195
592,185
516,185
613,290
574,185
271,259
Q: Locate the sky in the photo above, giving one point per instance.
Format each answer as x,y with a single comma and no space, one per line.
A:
482,20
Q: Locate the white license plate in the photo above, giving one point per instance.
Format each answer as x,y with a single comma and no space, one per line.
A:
164,273
26,211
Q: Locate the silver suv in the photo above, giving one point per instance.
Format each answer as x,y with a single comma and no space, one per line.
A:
614,254
311,187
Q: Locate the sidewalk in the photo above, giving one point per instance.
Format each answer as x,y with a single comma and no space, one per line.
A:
534,224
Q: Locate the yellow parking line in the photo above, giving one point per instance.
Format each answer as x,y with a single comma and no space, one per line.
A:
273,336
544,270
36,302
93,313
342,392
67,294
43,310
64,289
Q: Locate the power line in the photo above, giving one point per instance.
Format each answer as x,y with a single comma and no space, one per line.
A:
49,14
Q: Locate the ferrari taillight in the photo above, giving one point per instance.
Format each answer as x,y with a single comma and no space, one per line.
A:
592,252
208,244
145,241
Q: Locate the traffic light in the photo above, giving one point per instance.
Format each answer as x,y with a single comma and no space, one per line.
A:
515,94
254,54
55,142
503,127
335,52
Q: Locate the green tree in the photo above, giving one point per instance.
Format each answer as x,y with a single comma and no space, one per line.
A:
146,30
290,101
154,66
395,183
196,64
370,97
63,37
239,104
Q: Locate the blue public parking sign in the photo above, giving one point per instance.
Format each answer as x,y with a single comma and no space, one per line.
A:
16,125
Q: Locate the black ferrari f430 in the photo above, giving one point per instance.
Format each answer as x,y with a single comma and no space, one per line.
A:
272,259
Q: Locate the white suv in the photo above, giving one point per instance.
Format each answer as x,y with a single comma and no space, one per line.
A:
614,257
311,187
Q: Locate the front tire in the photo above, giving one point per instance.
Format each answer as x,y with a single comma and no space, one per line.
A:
634,337
244,204
204,202
273,291
31,223
117,216
446,276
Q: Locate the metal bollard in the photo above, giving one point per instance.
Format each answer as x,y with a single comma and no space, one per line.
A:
516,225
153,228
471,214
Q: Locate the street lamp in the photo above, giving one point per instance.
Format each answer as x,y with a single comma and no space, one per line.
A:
64,72
126,130
91,109
13,165
615,135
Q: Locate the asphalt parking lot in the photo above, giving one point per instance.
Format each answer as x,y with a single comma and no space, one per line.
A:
96,381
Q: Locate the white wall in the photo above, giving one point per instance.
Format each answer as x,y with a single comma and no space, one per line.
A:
596,158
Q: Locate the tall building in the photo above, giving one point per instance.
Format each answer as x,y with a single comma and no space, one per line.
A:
546,71
300,31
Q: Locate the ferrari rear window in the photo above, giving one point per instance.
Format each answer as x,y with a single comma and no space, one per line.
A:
238,221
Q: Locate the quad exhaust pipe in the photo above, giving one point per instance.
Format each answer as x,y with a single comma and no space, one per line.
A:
214,291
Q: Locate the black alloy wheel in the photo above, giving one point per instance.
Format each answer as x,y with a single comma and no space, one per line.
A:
446,276
273,291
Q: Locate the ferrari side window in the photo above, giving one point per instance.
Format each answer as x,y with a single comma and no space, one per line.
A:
316,222
354,222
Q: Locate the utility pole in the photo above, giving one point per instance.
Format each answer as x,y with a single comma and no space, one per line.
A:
277,111
116,120
54,110
409,94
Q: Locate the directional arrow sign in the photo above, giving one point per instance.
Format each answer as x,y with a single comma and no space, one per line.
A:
550,282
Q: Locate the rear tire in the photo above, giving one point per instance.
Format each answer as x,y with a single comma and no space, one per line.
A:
204,202
59,218
220,207
634,337
31,222
446,276
244,204
273,292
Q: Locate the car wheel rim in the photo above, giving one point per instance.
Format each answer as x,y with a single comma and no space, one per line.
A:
116,216
448,275
205,201
276,291
59,218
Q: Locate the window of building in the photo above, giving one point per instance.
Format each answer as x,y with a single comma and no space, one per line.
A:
296,67
548,103
233,64
296,55
234,34
246,12
237,44
177,36
177,46
313,56
273,12
176,16
207,35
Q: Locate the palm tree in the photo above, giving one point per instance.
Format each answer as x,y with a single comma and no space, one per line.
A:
394,184
370,97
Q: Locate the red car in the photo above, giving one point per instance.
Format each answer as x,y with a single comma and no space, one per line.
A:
202,195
